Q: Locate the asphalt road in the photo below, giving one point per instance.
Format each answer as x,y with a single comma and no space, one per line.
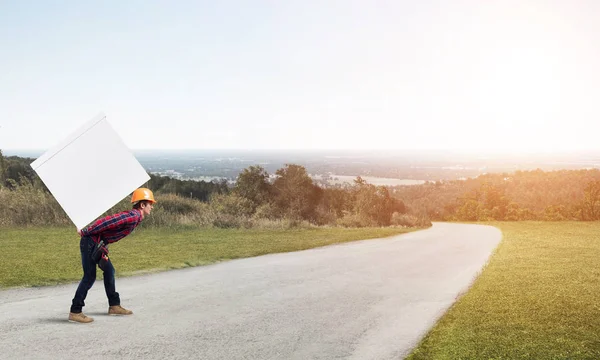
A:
369,299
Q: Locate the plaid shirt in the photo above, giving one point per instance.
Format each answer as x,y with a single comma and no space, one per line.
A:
113,227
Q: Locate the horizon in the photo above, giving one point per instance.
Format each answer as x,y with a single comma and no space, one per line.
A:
386,152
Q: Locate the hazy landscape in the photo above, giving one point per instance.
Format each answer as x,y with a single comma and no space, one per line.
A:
342,166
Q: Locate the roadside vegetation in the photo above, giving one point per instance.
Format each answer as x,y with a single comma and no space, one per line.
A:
523,195
290,196
257,200
536,299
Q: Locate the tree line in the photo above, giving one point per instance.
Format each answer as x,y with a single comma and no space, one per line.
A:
522,195
289,194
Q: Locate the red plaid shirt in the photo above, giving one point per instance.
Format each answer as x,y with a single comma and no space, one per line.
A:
113,227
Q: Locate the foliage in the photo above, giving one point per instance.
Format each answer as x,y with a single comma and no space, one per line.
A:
522,195
590,205
375,203
291,199
337,201
29,205
231,211
351,220
295,194
266,211
253,184
16,170
408,220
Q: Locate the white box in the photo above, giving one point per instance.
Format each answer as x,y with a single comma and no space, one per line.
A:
90,171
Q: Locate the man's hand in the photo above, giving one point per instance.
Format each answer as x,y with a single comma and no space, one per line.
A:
79,232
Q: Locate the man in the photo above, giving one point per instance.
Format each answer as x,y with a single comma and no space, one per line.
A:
107,230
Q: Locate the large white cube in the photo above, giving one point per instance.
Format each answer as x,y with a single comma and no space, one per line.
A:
90,171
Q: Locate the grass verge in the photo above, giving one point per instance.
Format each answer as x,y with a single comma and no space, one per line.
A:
536,299
49,256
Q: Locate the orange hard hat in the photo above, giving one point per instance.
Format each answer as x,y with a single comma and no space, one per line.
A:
142,194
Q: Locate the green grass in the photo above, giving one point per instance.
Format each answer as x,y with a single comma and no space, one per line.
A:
538,298
49,256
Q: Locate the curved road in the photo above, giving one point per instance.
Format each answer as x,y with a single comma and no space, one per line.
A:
370,299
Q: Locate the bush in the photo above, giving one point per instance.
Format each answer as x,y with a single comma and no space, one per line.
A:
407,220
325,216
356,220
173,210
28,205
231,211
231,204
178,205
266,211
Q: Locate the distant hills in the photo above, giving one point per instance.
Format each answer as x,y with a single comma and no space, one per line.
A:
405,165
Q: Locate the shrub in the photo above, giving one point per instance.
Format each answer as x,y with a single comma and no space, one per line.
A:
178,205
27,205
408,220
324,216
232,204
356,220
173,210
266,211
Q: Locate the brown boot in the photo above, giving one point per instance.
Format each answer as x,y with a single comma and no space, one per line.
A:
80,318
118,310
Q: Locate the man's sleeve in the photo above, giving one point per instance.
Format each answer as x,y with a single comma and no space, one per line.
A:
108,223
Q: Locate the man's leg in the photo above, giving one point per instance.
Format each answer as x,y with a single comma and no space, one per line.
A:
114,301
109,284
89,275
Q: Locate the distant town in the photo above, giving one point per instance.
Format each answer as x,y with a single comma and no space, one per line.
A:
338,167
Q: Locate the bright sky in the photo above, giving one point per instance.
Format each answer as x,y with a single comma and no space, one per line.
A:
469,75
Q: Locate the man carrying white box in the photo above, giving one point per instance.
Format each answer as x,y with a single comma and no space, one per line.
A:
94,250
66,171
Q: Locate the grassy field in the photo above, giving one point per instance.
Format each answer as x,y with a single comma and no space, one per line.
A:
538,298
48,256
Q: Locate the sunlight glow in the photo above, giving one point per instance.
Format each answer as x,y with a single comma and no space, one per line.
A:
473,75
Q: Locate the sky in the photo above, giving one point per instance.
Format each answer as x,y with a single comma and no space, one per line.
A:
504,76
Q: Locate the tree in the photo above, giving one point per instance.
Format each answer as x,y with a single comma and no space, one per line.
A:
513,212
494,200
374,203
469,211
336,201
295,193
18,169
590,205
253,184
556,213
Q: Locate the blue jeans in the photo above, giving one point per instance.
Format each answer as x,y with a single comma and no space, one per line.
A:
89,277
